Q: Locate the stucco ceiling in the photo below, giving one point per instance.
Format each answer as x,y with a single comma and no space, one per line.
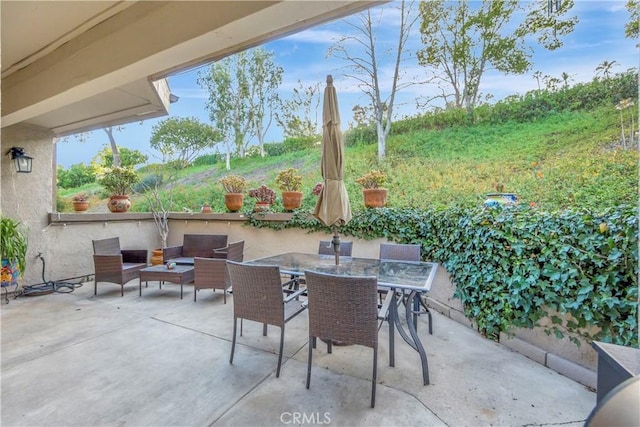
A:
71,66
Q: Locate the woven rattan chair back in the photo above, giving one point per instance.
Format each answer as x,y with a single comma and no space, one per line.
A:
236,251
258,296
257,293
202,245
326,248
110,246
210,273
345,309
401,252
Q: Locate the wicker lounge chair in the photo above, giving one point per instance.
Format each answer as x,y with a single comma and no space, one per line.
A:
258,296
211,273
115,265
345,309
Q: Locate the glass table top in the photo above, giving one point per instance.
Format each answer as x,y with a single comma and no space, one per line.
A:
398,274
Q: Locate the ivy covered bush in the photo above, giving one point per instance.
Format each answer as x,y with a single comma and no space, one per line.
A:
512,266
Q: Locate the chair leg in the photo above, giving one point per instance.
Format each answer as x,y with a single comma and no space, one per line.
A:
329,347
241,327
313,342
121,290
313,339
195,292
264,329
374,380
280,353
233,341
224,295
95,287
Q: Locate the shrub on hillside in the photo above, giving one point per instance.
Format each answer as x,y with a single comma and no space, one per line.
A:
361,135
293,144
76,176
205,160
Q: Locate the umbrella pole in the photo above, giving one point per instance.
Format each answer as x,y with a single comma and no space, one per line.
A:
336,244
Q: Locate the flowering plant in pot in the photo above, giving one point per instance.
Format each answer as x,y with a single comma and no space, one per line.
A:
80,202
290,183
235,187
264,195
13,248
374,195
118,181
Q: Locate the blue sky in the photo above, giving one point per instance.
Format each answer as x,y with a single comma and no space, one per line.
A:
598,36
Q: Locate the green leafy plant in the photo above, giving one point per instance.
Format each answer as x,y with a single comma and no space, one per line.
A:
233,184
118,181
289,180
373,179
263,194
13,242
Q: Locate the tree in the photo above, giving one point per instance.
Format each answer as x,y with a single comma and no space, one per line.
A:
239,87
632,28
264,96
182,139
462,43
366,63
298,115
128,158
605,69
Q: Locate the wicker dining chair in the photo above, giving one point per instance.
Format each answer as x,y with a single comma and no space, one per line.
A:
211,273
405,252
115,265
344,309
325,247
258,296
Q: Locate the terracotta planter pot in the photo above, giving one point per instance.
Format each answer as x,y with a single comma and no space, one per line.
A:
291,199
261,206
80,206
234,201
156,257
205,209
119,204
375,197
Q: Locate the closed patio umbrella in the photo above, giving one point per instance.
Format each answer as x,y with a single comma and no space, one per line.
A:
333,208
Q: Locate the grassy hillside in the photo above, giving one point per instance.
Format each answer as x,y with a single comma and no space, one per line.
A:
563,160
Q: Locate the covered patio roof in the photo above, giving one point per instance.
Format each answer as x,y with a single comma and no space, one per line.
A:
71,66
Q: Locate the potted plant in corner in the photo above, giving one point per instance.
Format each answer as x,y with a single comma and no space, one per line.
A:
265,197
13,246
118,181
290,183
235,187
80,202
374,195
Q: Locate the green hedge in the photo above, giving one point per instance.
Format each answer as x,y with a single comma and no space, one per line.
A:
511,265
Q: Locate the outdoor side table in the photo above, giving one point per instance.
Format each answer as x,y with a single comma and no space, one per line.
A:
179,275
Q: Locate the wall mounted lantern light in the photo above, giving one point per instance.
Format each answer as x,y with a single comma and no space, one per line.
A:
21,161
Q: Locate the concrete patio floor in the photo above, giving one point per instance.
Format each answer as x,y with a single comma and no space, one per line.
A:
82,360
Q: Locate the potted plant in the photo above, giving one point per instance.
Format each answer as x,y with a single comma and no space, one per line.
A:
80,202
265,197
290,183
13,246
119,181
235,187
374,195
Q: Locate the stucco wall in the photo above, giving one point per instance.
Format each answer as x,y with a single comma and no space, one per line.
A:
28,196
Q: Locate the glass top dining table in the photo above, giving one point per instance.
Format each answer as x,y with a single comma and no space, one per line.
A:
407,275
406,280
